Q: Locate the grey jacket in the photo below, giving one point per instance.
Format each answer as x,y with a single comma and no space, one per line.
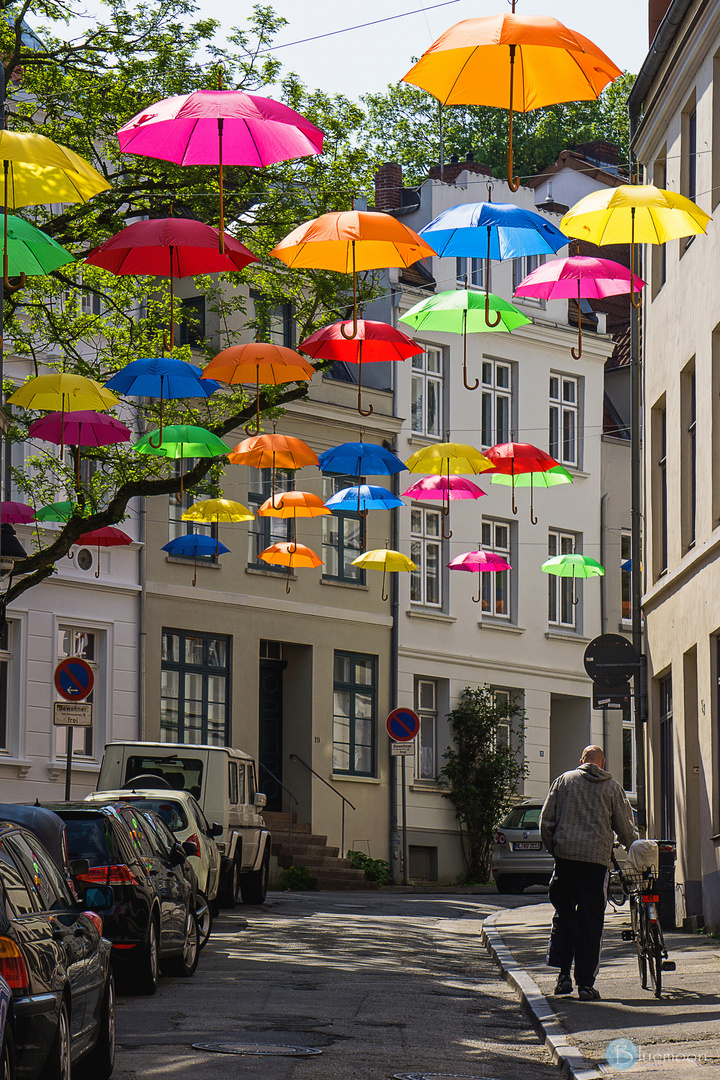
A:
582,810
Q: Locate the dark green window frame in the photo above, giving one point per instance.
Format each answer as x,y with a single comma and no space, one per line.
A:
174,675
354,734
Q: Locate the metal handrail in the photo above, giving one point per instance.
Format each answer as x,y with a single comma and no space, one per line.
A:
339,795
289,792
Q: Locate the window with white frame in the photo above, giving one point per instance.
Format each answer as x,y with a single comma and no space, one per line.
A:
496,401
628,751
523,266
426,763
495,587
561,609
427,392
474,271
5,658
626,576
72,641
342,534
264,530
426,553
503,731
564,420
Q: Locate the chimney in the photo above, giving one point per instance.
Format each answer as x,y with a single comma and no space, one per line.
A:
657,9
455,166
388,186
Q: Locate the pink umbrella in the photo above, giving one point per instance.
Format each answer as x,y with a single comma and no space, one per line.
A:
216,127
445,488
82,428
17,513
479,562
107,537
579,276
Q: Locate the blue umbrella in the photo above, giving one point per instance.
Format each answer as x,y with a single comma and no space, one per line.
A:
362,498
192,545
164,378
495,231
360,459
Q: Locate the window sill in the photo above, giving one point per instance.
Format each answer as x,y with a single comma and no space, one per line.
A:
56,769
567,635
337,584
269,573
21,765
625,626
418,439
503,627
189,561
427,785
354,779
433,616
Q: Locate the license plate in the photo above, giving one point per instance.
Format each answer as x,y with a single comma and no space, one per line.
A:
527,845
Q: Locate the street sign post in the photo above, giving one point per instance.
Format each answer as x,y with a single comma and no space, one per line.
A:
74,680
403,725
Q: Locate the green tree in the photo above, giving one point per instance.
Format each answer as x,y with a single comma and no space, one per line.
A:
483,768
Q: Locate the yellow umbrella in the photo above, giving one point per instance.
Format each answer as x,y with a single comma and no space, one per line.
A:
63,392
213,511
387,560
446,459
634,213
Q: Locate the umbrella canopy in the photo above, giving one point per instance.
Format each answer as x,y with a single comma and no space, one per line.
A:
164,378
192,545
81,428
106,537
170,247
372,342
64,391
513,459
464,311
294,556
449,458
363,497
17,513
512,231
59,511
42,171
261,362
292,504
443,487
360,459
273,452
573,566
183,441
29,250
473,63
387,560
479,562
213,511
543,479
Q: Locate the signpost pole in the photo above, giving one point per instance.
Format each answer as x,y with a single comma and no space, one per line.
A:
404,824
68,767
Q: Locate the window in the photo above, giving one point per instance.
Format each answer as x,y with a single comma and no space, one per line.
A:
628,751
522,267
426,765
426,553
564,418
195,688
83,643
495,403
5,658
561,610
626,577
474,271
342,536
692,155
495,588
354,711
503,731
427,398
192,322
265,530
658,254
176,525
91,303
660,494
688,455
667,765
688,159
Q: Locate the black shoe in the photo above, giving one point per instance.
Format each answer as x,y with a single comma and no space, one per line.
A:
588,993
563,985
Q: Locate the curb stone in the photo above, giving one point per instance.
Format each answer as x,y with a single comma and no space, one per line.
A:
565,1055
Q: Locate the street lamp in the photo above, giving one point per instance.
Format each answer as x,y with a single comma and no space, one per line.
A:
11,551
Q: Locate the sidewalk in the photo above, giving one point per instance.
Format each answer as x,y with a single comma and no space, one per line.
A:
677,1036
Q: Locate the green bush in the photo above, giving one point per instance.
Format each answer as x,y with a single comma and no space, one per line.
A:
375,869
297,879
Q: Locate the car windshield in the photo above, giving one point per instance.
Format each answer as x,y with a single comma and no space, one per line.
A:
181,773
172,813
89,838
523,817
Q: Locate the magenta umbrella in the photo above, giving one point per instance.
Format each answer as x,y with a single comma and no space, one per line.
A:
220,127
82,428
444,488
479,562
581,277
17,513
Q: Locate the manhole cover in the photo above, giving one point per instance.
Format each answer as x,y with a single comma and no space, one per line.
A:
260,1049
438,1076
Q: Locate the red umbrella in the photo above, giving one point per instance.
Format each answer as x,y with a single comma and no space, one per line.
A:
17,513
170,247
106,537
374,342
515,458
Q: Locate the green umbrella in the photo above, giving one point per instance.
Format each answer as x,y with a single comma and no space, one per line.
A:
573,566
182,441
59,511
549,478
30,251
462,311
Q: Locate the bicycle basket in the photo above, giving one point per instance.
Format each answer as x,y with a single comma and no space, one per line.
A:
637,880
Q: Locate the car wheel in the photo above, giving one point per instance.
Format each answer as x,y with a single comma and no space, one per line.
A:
203,913
99,1063
185,964
57,1066
7,1062
507,883
149,966
228,894
253,887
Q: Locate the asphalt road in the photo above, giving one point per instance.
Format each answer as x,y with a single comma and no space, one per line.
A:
383,984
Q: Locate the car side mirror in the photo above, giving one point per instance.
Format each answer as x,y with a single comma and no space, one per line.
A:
215,829
190,848
99,897
177,855
79,867
260,800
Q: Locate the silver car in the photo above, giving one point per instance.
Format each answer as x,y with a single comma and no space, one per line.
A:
519,856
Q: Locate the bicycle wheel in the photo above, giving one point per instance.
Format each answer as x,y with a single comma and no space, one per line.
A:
655,957
616,893
639,926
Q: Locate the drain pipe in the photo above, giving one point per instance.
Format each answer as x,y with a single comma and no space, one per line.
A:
142,621
603,606
395,843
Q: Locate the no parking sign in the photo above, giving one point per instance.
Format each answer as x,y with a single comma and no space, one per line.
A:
402,725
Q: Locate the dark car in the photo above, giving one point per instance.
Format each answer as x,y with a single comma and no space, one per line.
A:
7,1042
50,831
147,924
57,964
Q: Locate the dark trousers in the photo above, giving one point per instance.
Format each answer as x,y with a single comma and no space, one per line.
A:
578,892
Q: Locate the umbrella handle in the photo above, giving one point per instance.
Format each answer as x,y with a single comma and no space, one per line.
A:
637,305
487,286
478,598
348,337
363,412
445,535
578,354
194,581
466,384
575,599
248,430
158,444
9,288
382,587
6,281
513,182
533,518
287,580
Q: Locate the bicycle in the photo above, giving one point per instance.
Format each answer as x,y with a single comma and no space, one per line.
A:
641,889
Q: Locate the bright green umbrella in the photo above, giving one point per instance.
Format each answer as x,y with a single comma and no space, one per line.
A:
183,441
59,511
30,251
573,566
462,311
549,478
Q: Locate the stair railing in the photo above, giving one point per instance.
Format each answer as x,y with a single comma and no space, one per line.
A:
294,757
294,800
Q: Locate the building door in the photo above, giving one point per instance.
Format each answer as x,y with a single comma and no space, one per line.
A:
270,715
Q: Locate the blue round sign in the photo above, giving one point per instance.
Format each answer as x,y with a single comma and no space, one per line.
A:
402,725
74,679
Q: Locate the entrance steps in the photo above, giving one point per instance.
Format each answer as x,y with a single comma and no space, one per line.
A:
311,850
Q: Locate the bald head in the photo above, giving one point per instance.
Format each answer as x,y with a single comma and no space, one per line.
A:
593,755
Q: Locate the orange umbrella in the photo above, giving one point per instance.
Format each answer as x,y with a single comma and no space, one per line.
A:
350,241
294,556
273,452
293,504
473,63
263,362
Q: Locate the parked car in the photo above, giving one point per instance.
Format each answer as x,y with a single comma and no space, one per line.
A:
7,1043
57,964
222,780
50,831
147,923
183,816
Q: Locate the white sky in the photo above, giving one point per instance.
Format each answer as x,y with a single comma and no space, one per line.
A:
367,60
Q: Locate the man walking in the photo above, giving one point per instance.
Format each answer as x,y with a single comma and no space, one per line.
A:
583,809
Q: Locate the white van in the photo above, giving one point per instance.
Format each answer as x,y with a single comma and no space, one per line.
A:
222,780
